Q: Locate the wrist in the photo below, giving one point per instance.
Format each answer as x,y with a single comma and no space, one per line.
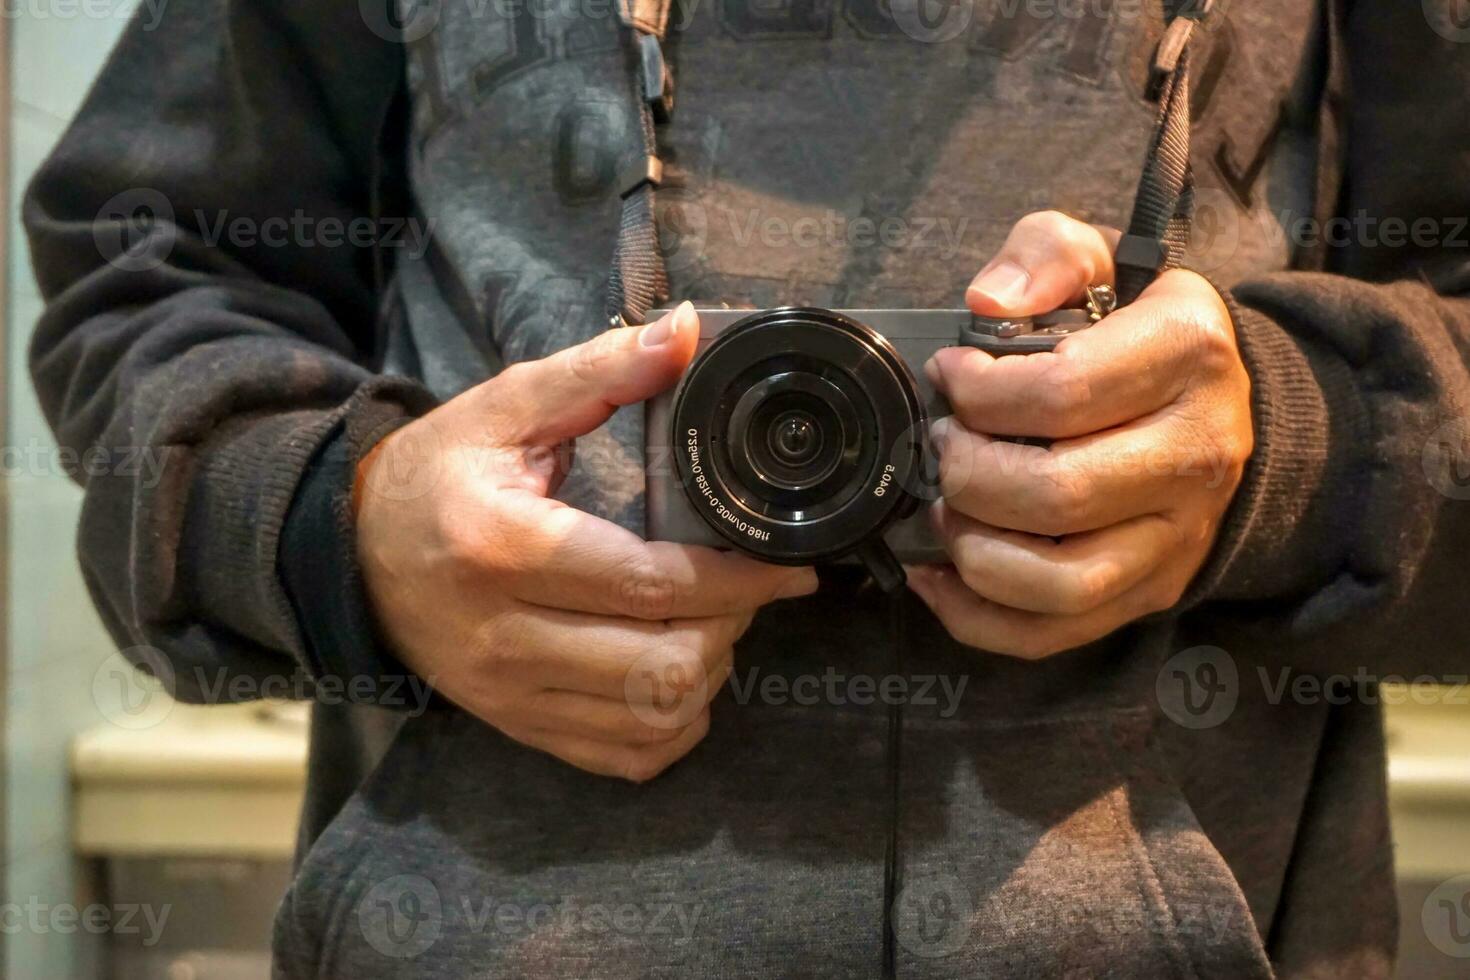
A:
318,562
360,477
1285,529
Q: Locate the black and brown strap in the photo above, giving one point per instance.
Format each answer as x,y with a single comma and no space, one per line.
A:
1163,209
639,281
1158,230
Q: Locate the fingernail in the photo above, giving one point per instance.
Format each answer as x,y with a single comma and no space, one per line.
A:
662,329
1004,285
938,429
658,332
803,584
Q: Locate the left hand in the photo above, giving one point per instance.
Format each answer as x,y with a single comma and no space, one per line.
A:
1149,416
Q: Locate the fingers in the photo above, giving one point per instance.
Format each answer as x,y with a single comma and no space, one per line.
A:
574,391
1147,417
660,711
1135,361
644,663
1071,576
1078,484
602,719
636,763
1046,262
986,625
549,554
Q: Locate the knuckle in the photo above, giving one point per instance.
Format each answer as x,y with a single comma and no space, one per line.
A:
949,464
1236,435
698,729
969,404
1214,349
1165,597
640,765
513,730
647,591
505,706
1062,393
964,631
1073,237
588,362
1084,589
968,563
956,464
486,641
1065,495
513,375
1168,599
1032,644
1175,534
683,663
461,538
1234,448
675,669
965,386
502,642
1209,346
537,705
973,577
643,764
1049,223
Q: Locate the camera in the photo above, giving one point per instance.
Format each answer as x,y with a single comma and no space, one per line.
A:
800,435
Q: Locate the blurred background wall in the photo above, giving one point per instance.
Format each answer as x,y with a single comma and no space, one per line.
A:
55,644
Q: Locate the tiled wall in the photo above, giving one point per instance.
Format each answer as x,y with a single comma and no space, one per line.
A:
55,644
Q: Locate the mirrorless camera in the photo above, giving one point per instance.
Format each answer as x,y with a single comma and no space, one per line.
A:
800,435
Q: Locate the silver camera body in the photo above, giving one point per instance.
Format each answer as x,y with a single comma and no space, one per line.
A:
800,435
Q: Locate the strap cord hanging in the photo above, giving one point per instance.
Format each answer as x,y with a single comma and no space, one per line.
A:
1158,231
638,280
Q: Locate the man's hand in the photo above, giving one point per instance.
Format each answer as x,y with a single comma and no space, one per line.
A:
564,631
1148,414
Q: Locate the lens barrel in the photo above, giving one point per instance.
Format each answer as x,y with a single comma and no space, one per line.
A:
796,433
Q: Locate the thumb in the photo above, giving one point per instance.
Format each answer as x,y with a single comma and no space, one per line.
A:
1046,262
572,392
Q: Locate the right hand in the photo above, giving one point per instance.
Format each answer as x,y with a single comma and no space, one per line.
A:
564,631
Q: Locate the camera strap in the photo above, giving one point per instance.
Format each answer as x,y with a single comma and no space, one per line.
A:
1163,208
639,280
1158,230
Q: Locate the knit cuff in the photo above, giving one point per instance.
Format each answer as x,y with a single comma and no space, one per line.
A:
1288,527
319,571
239,490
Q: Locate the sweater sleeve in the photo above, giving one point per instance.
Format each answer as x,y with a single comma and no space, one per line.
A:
207,237
1348,538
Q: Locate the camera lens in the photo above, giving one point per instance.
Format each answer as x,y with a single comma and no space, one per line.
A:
794,438
796,432
793,431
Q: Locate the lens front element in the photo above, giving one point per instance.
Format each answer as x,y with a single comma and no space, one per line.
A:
794,438
792,434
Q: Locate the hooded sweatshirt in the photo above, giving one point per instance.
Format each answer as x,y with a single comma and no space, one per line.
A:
276,231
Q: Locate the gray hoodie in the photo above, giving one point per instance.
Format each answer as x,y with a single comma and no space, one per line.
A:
1161,803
